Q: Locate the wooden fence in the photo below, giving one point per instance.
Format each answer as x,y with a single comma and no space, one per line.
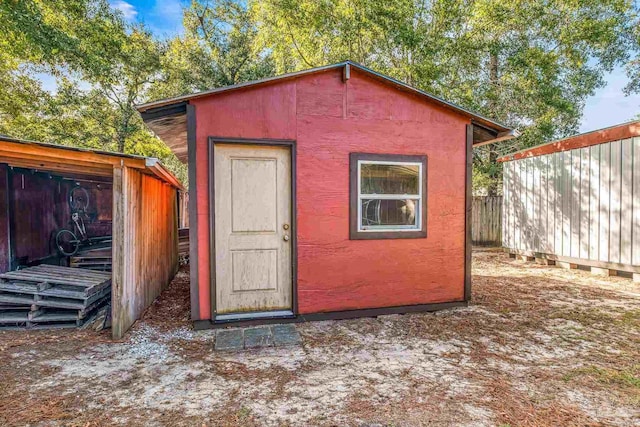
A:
183,209
486,221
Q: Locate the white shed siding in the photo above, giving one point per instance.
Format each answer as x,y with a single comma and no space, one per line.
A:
581,204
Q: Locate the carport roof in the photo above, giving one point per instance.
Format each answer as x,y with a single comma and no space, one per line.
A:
76,161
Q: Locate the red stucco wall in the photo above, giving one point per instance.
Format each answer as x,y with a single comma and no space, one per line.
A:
330,119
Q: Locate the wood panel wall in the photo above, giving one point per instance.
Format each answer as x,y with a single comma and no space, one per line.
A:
486,221
36,207
4,219
145,244
582,204
329,119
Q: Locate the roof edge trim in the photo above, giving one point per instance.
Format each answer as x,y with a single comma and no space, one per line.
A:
616,132
154,107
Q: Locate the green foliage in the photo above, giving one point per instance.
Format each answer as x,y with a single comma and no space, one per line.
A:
103,68
529,64
219,48
633,67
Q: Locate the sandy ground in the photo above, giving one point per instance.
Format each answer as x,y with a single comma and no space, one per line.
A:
538,346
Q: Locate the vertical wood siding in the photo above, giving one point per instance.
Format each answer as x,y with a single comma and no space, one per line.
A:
4,218
145,243
183,209
487,221
582,203
35,206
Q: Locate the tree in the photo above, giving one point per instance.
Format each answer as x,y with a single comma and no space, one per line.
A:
218,48
103,68
633,66
124,79
526,63
43,36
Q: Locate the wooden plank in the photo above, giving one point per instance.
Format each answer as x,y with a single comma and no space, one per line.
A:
594,202
516,203
579,261
505,195
468,211
512,212
565,195
614,215
574,192
626,206
536,197
5,255
605,200
38,278
118,242
585,197
528,212
544,203
635,232
39,152
69,271
551,203
521,203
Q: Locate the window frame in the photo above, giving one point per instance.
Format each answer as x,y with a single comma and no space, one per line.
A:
355,212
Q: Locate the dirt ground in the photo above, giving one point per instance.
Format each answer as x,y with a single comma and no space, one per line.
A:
538,346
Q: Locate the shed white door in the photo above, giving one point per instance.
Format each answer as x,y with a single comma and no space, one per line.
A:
252,228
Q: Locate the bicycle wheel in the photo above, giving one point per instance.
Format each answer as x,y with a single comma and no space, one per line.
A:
67,242
78,199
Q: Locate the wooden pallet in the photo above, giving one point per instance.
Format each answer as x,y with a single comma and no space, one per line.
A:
53,286
46,318
98,259
52,298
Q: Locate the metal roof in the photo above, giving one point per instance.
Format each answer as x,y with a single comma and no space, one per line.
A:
151,163
594,137
498,127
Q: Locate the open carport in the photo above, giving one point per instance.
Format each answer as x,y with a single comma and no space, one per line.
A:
126,207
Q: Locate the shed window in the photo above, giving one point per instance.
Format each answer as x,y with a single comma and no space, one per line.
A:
388,196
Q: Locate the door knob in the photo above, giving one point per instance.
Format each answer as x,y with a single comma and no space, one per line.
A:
285,238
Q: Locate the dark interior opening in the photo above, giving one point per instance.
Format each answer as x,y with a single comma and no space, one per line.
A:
37,205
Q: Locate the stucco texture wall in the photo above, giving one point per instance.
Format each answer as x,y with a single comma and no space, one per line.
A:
329,119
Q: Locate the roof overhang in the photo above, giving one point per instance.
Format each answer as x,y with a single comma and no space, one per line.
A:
76,162
169,123
168,120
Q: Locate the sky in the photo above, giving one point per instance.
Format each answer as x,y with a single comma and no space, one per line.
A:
607,107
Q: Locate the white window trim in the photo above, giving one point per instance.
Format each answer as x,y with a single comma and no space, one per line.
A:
418,197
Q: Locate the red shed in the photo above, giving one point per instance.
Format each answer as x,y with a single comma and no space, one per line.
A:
333,192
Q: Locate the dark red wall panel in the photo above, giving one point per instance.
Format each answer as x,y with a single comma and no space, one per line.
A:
39,207
4,218
330,119
266,112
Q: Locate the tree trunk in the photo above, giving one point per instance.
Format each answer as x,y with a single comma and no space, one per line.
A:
122,133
